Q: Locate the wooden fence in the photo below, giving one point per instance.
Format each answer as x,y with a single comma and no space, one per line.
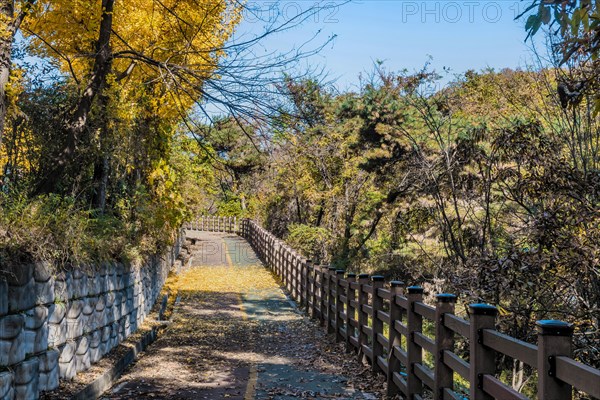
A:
383,323
214,224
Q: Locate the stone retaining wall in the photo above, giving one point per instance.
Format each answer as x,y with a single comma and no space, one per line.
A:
53,326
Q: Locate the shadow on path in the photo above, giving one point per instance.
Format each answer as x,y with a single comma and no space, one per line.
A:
234,335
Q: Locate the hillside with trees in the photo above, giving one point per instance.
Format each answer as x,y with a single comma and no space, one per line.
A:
487,186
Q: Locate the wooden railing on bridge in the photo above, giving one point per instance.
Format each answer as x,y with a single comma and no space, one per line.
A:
384,324
214,224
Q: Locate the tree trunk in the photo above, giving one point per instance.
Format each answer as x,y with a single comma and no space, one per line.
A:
77,122
517,375
101,170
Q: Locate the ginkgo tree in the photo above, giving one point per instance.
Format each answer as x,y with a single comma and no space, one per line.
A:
119,52
12,14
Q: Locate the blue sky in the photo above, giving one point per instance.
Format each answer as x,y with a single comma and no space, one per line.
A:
458,35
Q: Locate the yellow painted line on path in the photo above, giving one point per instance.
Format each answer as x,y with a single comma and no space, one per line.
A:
253,373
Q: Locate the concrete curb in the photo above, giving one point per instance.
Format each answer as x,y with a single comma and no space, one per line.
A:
97,388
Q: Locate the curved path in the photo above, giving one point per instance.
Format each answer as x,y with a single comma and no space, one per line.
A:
235,335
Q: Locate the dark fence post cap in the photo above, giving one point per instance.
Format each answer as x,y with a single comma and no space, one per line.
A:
483,309
377,278
415,290
396,283
340,271
351,275
552,327
363,276
446,298
309,261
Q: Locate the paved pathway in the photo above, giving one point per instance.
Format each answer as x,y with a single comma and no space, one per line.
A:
235,335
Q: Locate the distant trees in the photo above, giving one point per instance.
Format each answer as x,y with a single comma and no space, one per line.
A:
485,188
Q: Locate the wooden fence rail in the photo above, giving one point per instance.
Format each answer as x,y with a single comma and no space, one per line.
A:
214,224
384,324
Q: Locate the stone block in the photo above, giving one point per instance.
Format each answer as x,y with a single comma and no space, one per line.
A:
49,360
57,334
36,317
42,271
80,283
3,297
129,292
66,362
57,324
63,286
120,272
105,338
36,329
111,282
26,378
57,313
95,346
41,340
122,330
6,386
83,345
49,370
91,284
36,340
82,354
13,350
75,308
20,297
117,306
88,313
127,277
99,316
74,328
11,326
90,305
129,306
109,299
18,274
44,292
114,336
106,333
100,282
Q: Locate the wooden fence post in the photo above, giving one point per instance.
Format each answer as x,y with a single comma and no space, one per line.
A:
291,270
293,276
315,285
298,277
284,265
377,283
350,311
301,286
280,260
396,289
444,340
330,299
414,323
323,292
482,359
273,256
339,305
363,317
306,283
554,339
